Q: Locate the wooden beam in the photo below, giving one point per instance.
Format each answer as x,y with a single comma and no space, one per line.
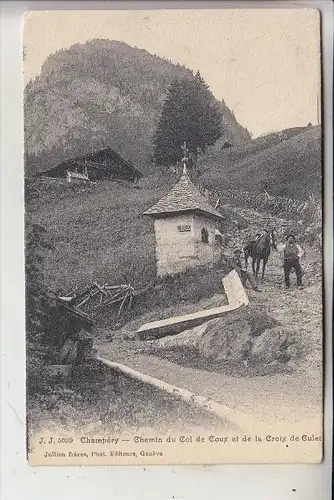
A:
237,297
176,324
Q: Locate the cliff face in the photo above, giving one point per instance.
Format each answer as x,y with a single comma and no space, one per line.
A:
99,94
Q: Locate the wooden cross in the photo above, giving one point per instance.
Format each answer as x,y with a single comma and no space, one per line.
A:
185,151
185,157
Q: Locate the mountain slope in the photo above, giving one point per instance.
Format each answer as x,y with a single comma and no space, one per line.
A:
99,232
290,168
99,94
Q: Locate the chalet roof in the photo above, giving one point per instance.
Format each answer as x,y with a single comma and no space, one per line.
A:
183,197
94,157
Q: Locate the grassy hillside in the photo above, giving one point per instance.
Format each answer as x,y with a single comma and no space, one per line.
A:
240,151
289,168
99,94
99,232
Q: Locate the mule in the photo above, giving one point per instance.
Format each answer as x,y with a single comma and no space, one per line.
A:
259,250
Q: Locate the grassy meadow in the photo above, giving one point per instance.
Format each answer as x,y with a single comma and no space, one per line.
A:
99,234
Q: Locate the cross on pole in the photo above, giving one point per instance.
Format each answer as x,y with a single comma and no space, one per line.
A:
185,157
185,151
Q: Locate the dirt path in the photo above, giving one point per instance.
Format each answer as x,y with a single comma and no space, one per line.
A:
279,396
287,397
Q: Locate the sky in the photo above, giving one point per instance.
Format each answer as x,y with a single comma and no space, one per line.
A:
265,63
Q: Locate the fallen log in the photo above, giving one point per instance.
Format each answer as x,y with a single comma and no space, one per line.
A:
116,287
117,294
122,304
100,288
109,295
115,301
83,301
141,291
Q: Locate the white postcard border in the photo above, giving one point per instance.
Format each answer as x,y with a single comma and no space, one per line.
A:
192,482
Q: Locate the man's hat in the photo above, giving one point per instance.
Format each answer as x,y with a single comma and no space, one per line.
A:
237,250
291,235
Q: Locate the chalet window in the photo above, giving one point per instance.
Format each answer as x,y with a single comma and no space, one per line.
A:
205,235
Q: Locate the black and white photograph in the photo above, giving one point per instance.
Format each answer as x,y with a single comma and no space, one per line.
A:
173,190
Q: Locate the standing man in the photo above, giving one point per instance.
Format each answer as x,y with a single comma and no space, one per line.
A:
292,256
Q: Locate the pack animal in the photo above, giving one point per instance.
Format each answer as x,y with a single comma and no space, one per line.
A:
259,250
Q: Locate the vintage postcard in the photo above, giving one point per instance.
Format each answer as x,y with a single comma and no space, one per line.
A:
173,236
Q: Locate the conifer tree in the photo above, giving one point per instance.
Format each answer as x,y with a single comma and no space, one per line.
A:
189,114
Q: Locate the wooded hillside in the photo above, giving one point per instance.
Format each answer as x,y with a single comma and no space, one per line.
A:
101,94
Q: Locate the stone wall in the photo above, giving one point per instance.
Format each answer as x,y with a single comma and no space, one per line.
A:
204,251
179,243
175,250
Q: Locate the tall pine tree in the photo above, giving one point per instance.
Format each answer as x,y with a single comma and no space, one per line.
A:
189,114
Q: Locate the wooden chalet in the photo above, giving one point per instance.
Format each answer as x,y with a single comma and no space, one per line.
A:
95,166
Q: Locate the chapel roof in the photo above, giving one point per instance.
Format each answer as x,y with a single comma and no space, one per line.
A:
183,197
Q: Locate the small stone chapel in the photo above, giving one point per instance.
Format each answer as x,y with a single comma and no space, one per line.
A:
185,227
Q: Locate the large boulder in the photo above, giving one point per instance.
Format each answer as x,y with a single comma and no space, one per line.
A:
248,337
275,344
228,340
